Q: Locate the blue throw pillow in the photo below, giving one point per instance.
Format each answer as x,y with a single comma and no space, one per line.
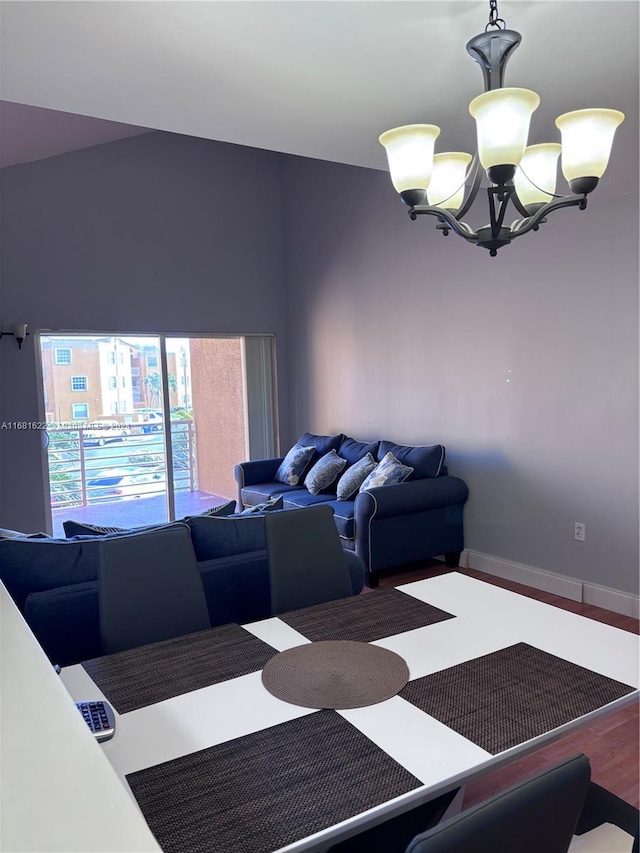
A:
353,450
386,473
426,460
322,443
294,464
354,477
276,502
325,472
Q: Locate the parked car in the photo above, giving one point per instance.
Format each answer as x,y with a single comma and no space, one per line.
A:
102,432
116,484
153,422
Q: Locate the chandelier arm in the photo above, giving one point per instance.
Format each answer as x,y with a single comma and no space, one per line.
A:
568,201
519,206
445,216
475,186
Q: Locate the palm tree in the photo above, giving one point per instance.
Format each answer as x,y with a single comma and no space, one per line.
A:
154,385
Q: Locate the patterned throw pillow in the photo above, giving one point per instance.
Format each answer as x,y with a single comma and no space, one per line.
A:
276,502
354,477
224,509
387,472
78,528
293,465
324,472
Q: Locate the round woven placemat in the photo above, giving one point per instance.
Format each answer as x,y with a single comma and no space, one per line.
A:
335,674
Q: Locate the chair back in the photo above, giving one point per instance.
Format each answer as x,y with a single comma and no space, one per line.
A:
149,588
307,564
536,816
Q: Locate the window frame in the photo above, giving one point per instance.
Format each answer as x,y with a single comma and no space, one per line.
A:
86,383
56,359
75,416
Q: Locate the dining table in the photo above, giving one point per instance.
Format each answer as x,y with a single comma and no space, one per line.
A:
215,762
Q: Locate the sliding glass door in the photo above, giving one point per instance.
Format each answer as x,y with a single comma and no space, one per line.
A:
147,428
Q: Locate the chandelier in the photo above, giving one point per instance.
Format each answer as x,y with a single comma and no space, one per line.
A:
524,176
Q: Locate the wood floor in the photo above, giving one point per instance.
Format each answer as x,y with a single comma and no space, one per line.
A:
612,743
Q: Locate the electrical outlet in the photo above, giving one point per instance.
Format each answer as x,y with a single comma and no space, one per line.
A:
580,531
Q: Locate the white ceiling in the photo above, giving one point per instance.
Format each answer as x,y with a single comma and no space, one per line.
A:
315,78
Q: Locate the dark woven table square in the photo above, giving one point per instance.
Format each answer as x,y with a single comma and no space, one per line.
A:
364,618
149,674
263,791
510,696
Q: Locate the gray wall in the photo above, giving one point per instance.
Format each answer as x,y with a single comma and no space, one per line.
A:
153,233
525,366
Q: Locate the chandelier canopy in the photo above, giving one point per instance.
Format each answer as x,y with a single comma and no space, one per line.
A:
435,184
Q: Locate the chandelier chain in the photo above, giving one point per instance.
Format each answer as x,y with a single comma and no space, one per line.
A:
494,20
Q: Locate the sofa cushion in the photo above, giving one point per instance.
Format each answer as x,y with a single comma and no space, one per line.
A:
303,498
223,537
386,473
353,450
324,473
32,565
322,443
350,482
273,503
426,460
262,492
291,469
343,516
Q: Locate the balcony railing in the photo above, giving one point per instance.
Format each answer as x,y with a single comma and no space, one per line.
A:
92,466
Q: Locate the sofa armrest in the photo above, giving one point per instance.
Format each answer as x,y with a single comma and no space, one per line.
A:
409,497
254,472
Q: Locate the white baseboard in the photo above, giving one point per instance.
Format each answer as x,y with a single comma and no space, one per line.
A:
567,587
610,599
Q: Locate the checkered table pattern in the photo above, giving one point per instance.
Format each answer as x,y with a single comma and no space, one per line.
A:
224,765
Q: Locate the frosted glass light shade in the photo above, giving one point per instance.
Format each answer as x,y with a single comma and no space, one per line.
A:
538,169
587,137
447,180
410,155
502,121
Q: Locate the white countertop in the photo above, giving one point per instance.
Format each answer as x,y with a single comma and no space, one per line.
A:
59,791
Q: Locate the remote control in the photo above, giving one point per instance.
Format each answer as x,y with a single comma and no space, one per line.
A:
99,717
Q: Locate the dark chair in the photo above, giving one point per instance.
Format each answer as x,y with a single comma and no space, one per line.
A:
149,588
540,815
307,564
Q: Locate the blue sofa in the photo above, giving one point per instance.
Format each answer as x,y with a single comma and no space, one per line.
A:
54,581
386,526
